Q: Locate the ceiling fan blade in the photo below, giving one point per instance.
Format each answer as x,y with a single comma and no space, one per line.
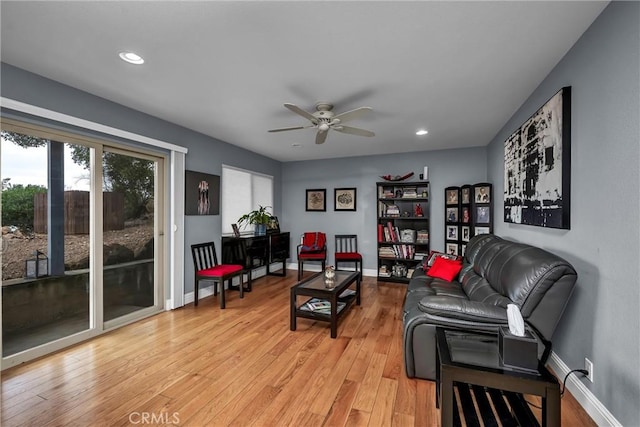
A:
321,137
353,131
353,114
301,112
293,128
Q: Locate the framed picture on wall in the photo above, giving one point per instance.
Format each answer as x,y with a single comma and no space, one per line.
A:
344,199
452,197
483,195
466,191
482,230
316,200
465,215
452,248
452,214
537,166
483,214
452,232
201,193
465,234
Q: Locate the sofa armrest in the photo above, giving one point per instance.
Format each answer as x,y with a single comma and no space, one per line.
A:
462,309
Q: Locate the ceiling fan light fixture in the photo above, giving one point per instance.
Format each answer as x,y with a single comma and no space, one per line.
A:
131,58
422,132
324,119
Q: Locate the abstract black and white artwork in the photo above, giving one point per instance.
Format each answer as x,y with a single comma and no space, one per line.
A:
537,166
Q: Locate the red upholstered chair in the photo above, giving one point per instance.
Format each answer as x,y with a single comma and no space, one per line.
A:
347,251
312,247
205,263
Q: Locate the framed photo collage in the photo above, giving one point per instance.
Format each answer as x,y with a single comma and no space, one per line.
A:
468,212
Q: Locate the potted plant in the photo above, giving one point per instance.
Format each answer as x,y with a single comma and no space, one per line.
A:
259,217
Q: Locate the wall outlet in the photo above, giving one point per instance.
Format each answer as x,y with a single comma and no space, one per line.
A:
588,365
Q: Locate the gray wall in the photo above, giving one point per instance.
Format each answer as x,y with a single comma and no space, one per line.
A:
602,321
446,168
205,154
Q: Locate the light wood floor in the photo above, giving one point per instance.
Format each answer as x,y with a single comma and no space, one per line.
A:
202,366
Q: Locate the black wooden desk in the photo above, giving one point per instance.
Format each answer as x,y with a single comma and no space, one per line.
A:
258,251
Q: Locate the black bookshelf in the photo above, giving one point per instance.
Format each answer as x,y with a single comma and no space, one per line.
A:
403,228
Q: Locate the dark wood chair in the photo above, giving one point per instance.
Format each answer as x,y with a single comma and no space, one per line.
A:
312,247
205,262
347,251
234,251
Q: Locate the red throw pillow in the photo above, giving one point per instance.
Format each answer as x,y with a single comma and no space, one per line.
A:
445,269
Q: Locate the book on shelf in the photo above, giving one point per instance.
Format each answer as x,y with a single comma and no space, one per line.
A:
409,193
392,210
392,235
396,251
386,252
422,236
384,271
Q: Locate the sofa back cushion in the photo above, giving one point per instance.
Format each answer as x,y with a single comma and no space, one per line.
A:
473,252
501,272
475,245
524,273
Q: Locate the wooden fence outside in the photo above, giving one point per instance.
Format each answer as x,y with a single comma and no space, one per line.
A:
76,212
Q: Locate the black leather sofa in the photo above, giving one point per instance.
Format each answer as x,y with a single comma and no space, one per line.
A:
495,272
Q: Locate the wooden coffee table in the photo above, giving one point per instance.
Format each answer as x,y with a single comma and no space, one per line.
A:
471,362
338,301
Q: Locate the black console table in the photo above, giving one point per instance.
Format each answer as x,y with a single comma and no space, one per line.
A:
257,251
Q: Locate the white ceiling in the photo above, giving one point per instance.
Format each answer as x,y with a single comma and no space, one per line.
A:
225,68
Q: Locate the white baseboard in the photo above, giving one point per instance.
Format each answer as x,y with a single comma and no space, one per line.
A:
591,405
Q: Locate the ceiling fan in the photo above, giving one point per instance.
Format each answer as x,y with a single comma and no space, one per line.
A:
324,119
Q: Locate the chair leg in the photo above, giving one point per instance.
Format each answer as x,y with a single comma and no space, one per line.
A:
249,288
195,292
215,288
240,285
222,301
299,270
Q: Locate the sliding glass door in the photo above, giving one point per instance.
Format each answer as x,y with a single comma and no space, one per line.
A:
131,191
82,238
46,234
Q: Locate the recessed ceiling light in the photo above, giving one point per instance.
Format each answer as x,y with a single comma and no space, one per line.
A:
132,58
422,132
